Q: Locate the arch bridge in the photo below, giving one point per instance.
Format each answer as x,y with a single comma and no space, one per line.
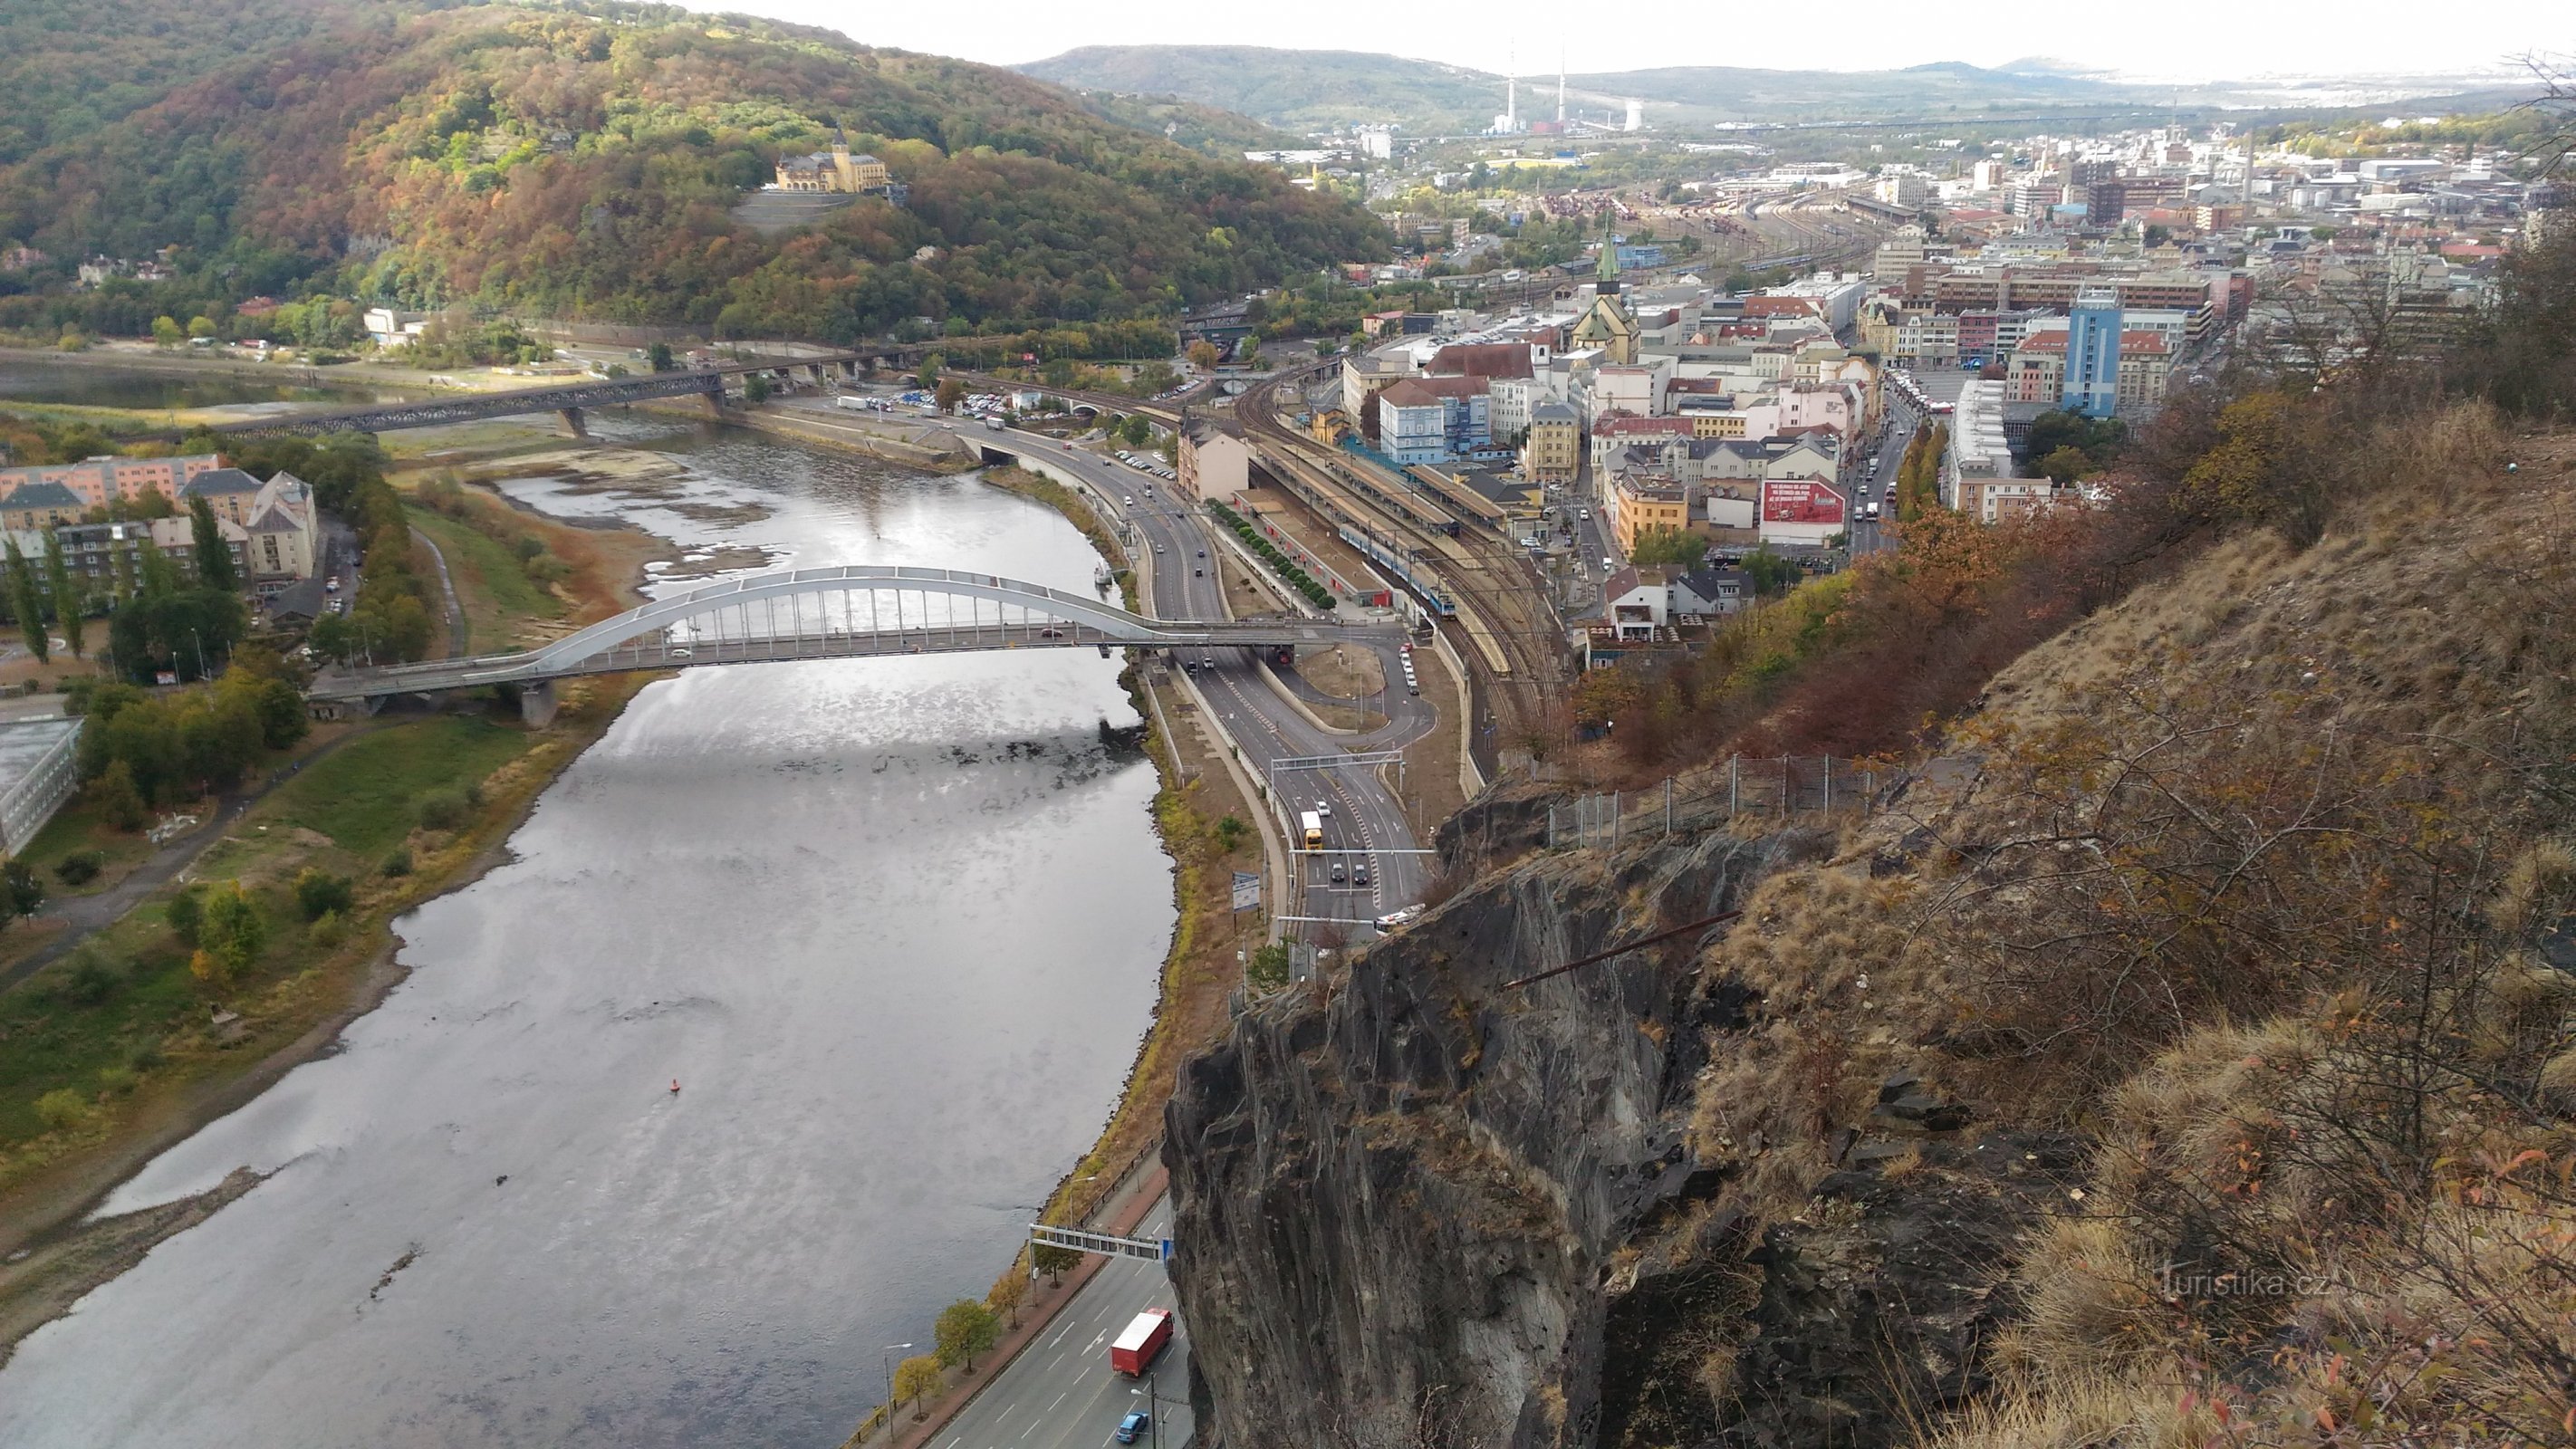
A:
847,612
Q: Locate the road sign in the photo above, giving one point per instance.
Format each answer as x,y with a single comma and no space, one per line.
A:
1247,891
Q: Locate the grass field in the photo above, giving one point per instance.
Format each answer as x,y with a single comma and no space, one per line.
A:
490,584
122,1017
366,797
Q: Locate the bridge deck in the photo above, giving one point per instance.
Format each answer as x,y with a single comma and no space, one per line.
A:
821,644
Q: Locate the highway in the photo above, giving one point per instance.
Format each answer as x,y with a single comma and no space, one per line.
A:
1060,1393
1367,818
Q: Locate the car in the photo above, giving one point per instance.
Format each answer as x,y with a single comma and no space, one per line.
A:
1134,1425
1584,514
682,654
1203,553
1050,632
1324,808
1359,874
1398,919
1158,548
1131,500
1198,573
1340,872
331,586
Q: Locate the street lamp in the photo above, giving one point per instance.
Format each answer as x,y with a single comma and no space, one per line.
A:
885,1360
201,652
1153,1409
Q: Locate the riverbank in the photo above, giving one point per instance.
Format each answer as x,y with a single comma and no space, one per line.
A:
173,1065
932,450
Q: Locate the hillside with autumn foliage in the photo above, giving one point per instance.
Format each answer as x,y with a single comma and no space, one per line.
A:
582,164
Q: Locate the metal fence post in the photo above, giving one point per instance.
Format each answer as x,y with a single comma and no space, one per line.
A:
1614,820
1788,789
1551,827
1829,784
1668,806
1734,793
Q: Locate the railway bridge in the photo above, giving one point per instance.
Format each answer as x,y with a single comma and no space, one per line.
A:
568,400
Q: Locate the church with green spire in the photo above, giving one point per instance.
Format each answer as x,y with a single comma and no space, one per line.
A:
1607,325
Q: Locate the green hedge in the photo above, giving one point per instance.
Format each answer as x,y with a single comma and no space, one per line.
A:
1295,577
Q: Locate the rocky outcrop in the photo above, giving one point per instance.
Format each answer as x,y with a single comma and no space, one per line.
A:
1421,1209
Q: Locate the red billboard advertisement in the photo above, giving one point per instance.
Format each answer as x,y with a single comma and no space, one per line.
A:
1803,501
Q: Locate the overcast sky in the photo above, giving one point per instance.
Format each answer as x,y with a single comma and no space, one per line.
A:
2172,39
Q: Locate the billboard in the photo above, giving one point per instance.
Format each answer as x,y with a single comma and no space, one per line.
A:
1803,500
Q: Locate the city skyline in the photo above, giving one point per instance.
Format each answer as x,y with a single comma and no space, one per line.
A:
2190,41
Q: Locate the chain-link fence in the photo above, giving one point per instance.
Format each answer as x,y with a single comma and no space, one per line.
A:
1778,787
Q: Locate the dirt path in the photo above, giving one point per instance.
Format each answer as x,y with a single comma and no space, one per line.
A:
457,635
81,916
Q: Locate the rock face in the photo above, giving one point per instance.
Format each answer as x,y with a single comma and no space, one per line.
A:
1420,1210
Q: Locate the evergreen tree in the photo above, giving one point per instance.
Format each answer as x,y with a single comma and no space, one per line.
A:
26,604
69,605
214,561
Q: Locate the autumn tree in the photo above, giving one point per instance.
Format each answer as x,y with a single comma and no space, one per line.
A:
1009,1293
1202,354
914,1378
951,393
230,935
966,1330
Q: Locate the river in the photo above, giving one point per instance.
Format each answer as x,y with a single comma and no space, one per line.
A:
893,925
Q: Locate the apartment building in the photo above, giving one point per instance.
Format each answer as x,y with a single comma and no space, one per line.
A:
96,481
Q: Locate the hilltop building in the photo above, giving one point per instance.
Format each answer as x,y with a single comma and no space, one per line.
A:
836,170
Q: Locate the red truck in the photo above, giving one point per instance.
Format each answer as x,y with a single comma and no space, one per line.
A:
1143,1338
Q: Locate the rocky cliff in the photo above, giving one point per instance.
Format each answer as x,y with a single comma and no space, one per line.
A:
1421,1208
1933,1142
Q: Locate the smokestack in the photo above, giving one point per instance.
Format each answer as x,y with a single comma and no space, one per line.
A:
1512,104
1560,89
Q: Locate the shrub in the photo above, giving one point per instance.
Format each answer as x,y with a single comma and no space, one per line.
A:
319,893
397,864
145,1057
445,809
80,867
62,1107
329,929
91,979
185,913
117,1080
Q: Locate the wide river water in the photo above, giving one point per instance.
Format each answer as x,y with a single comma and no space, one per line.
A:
894,925
107,387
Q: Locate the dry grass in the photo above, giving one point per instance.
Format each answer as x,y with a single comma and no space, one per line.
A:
2332,1191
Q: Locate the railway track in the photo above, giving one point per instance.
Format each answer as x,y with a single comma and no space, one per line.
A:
1502,620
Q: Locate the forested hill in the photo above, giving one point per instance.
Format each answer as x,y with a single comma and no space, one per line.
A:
581,163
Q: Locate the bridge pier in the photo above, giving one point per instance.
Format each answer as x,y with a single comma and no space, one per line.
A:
573,425
712,400
537,704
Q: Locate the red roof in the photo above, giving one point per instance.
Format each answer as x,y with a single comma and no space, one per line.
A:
1629,425
1482,359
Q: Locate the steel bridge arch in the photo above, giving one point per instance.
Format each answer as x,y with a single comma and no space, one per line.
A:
604,647
848,578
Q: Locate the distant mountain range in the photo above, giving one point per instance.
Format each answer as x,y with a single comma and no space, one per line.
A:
1312,90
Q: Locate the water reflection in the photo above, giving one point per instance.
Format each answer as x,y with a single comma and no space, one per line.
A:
892,925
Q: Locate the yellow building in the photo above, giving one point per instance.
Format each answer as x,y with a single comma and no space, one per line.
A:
1554,449
834,170
1640,505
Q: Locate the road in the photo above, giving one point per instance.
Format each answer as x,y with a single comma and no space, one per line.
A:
1060,1393
1367,827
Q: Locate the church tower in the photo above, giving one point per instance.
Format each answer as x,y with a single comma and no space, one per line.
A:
1607,324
